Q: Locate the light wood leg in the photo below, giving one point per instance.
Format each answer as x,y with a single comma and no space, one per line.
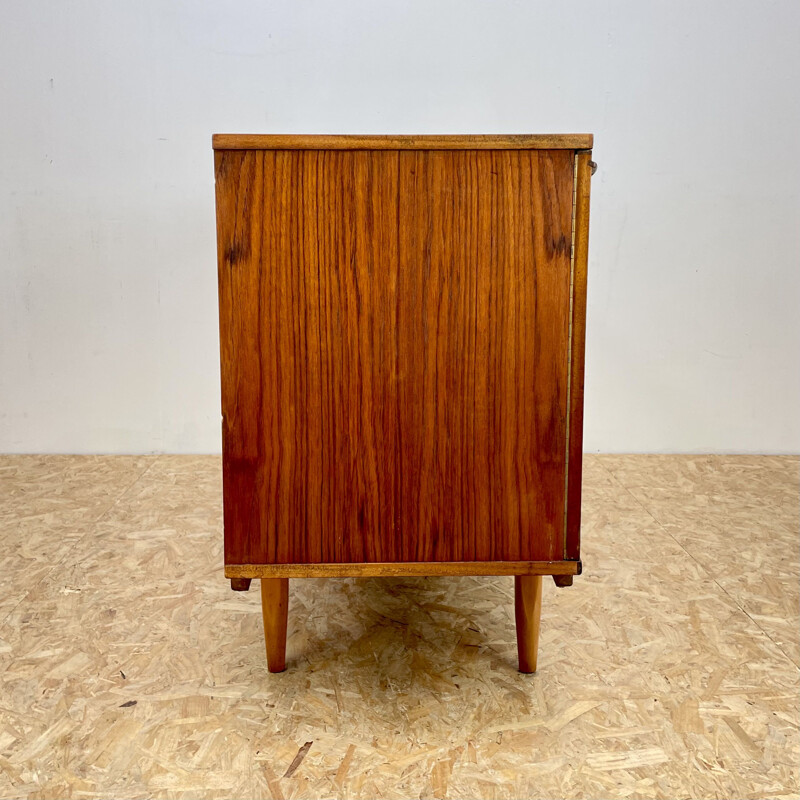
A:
275,610
528,611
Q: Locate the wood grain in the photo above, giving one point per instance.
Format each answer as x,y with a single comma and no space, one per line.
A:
394,343
541,141
583,180
399,569
527,614
275,613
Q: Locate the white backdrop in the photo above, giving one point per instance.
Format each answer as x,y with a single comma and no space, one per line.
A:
107,257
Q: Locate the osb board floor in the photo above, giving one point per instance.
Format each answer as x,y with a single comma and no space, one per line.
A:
129,669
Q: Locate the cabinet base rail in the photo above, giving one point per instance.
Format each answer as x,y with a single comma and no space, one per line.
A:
398,569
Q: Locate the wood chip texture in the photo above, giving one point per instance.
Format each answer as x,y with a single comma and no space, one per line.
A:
128,668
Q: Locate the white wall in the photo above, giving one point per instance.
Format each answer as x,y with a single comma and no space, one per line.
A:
107,256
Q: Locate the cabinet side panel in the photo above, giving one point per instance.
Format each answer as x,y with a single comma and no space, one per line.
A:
394,335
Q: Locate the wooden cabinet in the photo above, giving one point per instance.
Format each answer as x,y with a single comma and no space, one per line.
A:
402,339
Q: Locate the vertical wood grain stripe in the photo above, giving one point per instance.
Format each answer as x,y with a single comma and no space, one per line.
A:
569,343
583,176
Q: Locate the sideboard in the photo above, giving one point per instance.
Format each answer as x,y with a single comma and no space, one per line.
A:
402,325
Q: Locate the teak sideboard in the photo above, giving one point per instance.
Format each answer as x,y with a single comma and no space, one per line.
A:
402,326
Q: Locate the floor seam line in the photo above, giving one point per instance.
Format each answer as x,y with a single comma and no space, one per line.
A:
125,491
702,566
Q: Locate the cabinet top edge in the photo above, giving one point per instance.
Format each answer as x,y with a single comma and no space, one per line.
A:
272,141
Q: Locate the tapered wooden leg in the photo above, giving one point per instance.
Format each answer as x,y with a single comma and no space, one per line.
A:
528,611
275,610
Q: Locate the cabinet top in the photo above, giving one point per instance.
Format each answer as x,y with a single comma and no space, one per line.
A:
503,141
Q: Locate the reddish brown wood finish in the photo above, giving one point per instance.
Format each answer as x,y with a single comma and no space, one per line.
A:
398,569
527,615
583,175
278,141
275,613
394,333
